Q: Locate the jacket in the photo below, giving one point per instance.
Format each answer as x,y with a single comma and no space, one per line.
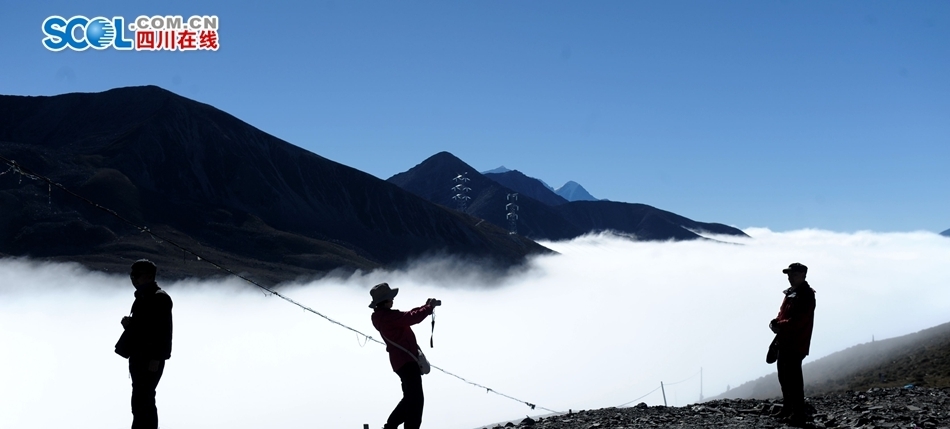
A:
149,333
795,320
394,325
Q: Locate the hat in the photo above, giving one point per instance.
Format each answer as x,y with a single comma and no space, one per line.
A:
795,268
382,292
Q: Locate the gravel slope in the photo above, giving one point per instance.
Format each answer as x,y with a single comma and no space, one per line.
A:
911,407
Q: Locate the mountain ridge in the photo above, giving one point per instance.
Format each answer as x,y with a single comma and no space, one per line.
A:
208,178
529,186
432,179
573,191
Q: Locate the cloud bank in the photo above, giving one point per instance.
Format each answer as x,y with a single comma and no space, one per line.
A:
600,324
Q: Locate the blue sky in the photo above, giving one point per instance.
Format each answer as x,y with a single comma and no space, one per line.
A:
784,115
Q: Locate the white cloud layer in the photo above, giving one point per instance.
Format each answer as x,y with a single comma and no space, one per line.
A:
598,325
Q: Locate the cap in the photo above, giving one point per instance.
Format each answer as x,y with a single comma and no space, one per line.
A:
795,268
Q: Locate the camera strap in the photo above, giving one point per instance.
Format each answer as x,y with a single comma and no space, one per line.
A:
432,332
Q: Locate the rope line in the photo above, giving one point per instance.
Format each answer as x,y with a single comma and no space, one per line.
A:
22,171
26,172
682,381
490,390
658,388
635,400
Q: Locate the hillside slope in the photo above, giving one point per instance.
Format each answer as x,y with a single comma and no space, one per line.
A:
921,359
208,179
433,179
528,186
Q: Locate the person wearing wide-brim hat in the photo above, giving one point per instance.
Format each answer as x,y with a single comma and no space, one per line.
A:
395,328
793,328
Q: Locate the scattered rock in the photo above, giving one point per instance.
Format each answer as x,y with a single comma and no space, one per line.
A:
924,408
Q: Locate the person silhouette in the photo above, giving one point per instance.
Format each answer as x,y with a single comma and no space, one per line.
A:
404,353
793,328
146,342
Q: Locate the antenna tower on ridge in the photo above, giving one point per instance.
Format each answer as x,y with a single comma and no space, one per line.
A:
460,191
512,209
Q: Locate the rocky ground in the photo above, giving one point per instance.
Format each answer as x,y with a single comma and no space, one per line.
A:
909,407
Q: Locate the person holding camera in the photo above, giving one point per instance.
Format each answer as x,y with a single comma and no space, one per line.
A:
405,356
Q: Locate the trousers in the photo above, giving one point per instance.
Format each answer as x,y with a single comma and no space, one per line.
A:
144,382
409,409
790,377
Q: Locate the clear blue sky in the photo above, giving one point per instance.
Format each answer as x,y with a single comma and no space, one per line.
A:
786,115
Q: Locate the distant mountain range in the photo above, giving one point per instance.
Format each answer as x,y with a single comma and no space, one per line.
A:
204,178
542,214
946,233
433,180
501,169
528,186
571,191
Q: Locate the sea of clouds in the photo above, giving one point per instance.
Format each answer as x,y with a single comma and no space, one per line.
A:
600,324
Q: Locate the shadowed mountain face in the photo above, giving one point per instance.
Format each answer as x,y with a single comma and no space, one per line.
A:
527,186
209,180
432,180
946,233
641,220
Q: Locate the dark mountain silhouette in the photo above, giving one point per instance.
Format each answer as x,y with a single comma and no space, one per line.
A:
573,191
641,220
209,180
501,169
537,189
432,180
921,359
528,186
946,233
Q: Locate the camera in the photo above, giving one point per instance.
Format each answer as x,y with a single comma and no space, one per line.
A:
435,302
